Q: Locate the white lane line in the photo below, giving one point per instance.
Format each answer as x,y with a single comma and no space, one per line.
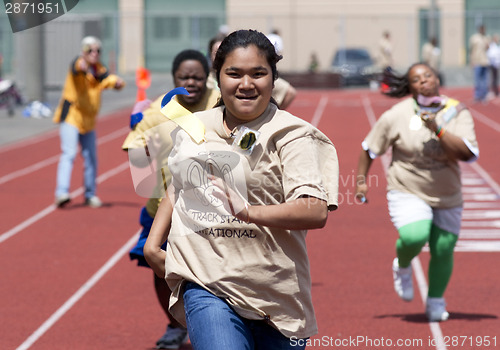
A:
484,175
480,214
318,113
471,189
480,234
468,181
422,287
45,212
28,170
492,223
416,265
485,120
481,205
492,197
370,114
113,135
386,157
46,162
477,246
29,141
79,294
55,132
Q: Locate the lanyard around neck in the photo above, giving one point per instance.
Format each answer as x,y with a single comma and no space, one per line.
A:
424,110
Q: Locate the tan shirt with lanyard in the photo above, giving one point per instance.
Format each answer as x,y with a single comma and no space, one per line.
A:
262,272
419,164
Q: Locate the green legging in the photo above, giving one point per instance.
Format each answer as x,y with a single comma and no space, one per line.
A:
412,238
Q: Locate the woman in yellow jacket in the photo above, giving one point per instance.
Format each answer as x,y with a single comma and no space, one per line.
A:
77,114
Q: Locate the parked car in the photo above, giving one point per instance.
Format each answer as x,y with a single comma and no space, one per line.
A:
355,66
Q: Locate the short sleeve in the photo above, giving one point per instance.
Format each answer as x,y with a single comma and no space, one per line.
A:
381,136
280,89
463,126
310,168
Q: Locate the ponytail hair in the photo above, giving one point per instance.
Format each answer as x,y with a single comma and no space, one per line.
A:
396,85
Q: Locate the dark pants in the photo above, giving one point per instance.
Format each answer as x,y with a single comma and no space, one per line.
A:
494,80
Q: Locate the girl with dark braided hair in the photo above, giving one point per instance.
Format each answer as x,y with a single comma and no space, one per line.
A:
429,134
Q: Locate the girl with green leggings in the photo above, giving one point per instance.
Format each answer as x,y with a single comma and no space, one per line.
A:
428,135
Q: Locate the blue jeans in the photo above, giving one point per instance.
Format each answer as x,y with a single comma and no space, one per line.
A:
213,324
70,137
480,82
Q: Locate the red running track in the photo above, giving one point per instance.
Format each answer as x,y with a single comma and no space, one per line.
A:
67,281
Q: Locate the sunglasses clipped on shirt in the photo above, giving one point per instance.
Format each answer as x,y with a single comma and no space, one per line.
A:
88,51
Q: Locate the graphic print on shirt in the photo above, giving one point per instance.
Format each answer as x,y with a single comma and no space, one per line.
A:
207,214
197,175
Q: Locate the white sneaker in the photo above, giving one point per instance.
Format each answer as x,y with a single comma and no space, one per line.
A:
173,338
436,310
93,202
62,200
403,283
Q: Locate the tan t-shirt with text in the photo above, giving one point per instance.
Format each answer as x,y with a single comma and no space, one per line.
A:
262,273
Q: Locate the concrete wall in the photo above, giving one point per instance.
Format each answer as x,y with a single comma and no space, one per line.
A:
321,26
131,35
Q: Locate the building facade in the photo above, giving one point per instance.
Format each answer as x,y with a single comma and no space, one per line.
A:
151,32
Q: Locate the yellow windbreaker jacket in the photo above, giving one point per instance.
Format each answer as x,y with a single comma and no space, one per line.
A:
81,96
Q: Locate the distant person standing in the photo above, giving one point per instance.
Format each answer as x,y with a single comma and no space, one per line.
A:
478,46
431,54
385,51
313,63
275,39
283,92
494,58
77,115
213,46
